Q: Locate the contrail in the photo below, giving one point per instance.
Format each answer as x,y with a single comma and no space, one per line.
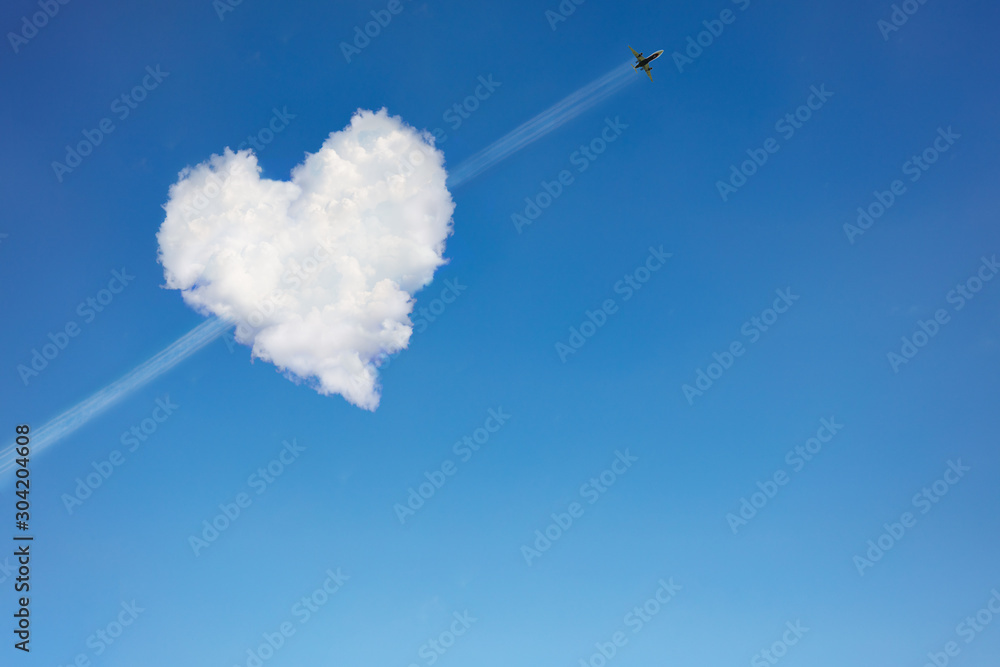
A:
82,412
527,133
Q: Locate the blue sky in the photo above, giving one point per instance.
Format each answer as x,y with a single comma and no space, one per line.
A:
494,347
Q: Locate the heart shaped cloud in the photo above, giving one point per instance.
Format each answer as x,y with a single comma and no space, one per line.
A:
318,273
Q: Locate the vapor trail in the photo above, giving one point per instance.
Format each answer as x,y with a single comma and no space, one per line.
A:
527,133
82,412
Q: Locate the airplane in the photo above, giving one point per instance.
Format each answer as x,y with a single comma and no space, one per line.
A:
643,63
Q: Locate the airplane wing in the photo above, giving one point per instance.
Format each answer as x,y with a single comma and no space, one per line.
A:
649,71
634,53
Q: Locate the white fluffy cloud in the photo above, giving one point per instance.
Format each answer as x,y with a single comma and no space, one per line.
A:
318,272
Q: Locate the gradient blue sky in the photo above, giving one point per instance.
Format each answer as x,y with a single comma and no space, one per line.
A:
666,517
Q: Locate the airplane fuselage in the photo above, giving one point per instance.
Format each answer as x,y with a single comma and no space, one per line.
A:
648,59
